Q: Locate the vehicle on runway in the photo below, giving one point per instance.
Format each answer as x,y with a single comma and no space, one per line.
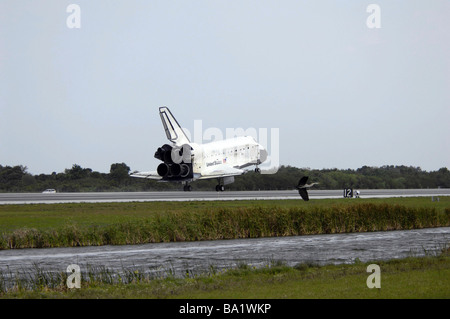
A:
185,162
49,191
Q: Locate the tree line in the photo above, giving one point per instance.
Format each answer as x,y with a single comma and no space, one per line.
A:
79,179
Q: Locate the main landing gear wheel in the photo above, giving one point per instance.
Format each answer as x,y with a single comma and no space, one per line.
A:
220,188
257,170
187,188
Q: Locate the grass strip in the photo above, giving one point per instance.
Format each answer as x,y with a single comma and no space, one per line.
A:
424,277
119,226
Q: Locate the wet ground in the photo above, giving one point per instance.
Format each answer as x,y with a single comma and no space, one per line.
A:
200,256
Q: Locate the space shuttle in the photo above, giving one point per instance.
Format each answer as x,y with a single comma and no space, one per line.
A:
184,162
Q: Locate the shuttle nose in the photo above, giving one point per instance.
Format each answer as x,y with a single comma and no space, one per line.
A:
262,154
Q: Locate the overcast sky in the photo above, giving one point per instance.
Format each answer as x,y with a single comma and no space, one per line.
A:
339,93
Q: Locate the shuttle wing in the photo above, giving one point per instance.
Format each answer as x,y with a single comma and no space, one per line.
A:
148,175
221,170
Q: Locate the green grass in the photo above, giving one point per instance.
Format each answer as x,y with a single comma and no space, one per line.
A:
42,216
58,225
425,277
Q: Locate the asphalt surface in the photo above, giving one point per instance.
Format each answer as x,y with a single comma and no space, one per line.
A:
36,198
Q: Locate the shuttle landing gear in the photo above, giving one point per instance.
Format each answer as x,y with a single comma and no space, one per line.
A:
222,181
187,187
220,188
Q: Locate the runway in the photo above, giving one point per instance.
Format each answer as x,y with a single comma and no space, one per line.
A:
103,197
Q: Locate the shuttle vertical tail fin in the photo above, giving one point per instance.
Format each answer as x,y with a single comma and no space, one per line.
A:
174,132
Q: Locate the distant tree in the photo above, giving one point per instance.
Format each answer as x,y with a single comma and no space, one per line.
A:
28,179
77,179
74,172
11,177
77,172
119,172
443,177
